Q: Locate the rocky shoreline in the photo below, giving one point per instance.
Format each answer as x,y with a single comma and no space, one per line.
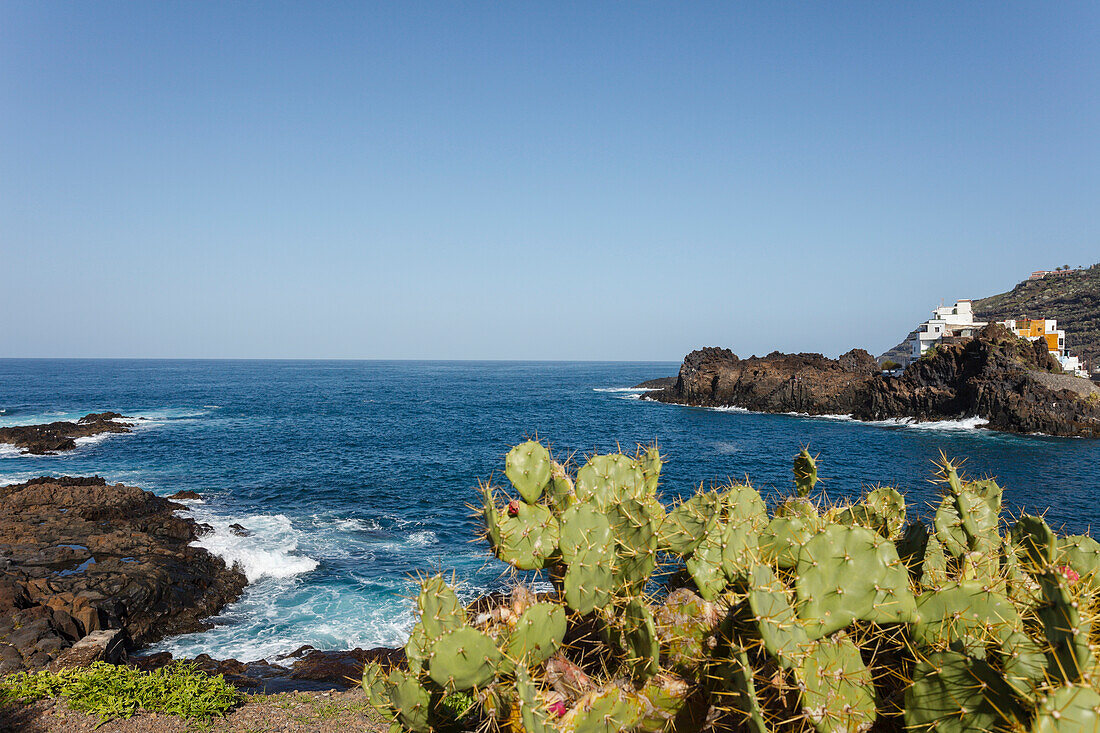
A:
1012,384
57,437
78,556
91,571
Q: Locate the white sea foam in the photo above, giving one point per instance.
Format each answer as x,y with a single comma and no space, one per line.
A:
356,525
726,448
269,551
965,423
422,538
625,389
9,451
85,440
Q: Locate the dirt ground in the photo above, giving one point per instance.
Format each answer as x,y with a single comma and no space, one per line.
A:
325,712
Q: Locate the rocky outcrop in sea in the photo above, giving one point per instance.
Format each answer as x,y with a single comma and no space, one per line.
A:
61,436
78,556
1011,383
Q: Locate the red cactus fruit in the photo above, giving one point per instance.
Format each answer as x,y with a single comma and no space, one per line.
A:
1069,573
513,508
558,708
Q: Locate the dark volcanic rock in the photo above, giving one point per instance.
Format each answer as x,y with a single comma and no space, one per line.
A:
78,556
808,383
1010,382
61,436
185,495
303,669
658,383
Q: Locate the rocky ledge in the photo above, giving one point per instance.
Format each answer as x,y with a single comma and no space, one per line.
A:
1013,384
61,436
78,556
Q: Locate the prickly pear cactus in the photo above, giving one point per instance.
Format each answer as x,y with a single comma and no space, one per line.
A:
710,613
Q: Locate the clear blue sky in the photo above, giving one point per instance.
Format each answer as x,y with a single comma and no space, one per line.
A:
532,180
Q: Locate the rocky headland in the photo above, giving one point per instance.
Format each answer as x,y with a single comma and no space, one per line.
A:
1011,383
78,556
61,436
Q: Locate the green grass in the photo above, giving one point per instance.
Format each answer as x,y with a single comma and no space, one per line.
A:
110,691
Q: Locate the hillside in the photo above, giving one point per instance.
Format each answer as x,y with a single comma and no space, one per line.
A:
1073,299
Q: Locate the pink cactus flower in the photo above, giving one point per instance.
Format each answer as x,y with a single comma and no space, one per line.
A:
1069,573
558,708
513,508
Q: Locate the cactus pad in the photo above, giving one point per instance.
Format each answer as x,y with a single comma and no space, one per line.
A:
640,639
417,649
463,659
440,609
528,467
952,693
374,684
636,542
609,478
849,573
538,633
1082,553
610,710
685,526
651,463
805,472
1035,541
528,537
589,581
952,530
780,628
741,697
685,622
743,504
739,550
966,617
584,530
796,520
705,564
1069,709
838,693
410,700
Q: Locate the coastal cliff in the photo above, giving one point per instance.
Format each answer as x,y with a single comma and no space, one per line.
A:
1013,384
78,556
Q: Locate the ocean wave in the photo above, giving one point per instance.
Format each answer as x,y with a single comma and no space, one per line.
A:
269,550
624,389
86,440
9,451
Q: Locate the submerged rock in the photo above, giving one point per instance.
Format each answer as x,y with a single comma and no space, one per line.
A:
79,556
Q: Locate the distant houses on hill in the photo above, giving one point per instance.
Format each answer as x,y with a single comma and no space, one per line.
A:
1040,274
949,324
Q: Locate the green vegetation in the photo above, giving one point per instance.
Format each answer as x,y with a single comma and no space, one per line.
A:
1073,299
717,614
111,691
889,365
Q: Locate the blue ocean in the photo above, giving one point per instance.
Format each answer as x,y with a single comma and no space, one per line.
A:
353,476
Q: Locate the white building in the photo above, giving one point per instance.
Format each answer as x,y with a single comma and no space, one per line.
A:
957,321
946,321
